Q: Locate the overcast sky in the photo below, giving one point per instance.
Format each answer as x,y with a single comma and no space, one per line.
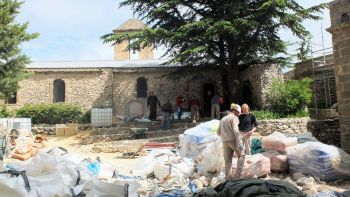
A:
71,29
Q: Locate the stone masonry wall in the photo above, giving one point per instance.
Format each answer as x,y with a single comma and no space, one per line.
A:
341,46
287,126
83,88
125,88
326,131
261,77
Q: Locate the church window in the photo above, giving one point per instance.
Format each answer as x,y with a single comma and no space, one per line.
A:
58,91
12,99
141,87
344,18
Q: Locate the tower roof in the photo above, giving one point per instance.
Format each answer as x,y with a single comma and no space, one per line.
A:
131,25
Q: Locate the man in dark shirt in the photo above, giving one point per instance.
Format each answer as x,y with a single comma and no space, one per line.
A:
167,110
247,125
152,102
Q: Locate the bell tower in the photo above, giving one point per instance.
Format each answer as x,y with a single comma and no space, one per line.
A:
131,26
340,30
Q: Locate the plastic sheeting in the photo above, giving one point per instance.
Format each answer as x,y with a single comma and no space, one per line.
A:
196,139
278,142
254,166
329,163
279,163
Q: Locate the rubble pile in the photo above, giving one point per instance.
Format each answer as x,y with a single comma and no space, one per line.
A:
166,170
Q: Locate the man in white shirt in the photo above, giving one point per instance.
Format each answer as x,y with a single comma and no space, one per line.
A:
231,139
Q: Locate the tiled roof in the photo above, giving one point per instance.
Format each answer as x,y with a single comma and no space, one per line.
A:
131,25
97,64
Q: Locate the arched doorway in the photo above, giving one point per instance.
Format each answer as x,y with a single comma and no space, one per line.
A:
58,91
247,93
208,93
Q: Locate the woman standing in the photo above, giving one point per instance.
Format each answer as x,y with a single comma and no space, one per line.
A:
247,125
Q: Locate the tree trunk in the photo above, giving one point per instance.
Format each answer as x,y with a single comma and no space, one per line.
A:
233,84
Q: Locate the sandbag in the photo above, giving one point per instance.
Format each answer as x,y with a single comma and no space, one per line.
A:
327,162
254,165
278,142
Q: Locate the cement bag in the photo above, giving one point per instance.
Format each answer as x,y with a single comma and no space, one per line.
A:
254,165
12,186
327,162
43,163
146,164
212,159
279,163
278,142
185,167
191,149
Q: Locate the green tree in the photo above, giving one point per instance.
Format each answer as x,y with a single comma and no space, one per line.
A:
12,35
231,35
289,97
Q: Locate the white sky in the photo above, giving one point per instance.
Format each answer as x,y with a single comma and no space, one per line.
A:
71,29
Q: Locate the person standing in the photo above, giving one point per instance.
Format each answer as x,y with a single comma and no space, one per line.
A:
231,139
215,107
152,102
194,106
179,105
247,126
167,110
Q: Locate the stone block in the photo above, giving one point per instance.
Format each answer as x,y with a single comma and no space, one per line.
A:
60,131
70,131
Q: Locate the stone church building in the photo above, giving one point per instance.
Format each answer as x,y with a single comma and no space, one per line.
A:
124,83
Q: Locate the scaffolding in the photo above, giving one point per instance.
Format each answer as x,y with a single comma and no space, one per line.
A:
323,75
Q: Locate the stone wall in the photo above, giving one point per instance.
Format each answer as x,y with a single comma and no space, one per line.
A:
94,88
326,130
260,77
341,46
125,87
84,88
287,126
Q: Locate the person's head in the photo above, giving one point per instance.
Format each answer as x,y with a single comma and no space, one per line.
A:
235,109
245,109
151,93
209,93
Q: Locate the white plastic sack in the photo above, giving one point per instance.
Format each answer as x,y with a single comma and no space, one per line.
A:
212,161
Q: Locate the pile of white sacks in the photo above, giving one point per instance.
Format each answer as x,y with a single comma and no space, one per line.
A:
60,174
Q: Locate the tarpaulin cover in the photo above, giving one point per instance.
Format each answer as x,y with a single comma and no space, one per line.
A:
327,162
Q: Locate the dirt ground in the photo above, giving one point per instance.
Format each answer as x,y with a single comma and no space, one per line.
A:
123,165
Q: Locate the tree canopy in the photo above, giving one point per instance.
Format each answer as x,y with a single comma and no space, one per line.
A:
231,35
12,35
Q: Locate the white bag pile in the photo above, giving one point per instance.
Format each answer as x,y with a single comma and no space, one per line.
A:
196,139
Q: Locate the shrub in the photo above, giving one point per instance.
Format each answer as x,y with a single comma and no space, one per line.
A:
288,98
4,112
261,115
86,117
56,113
